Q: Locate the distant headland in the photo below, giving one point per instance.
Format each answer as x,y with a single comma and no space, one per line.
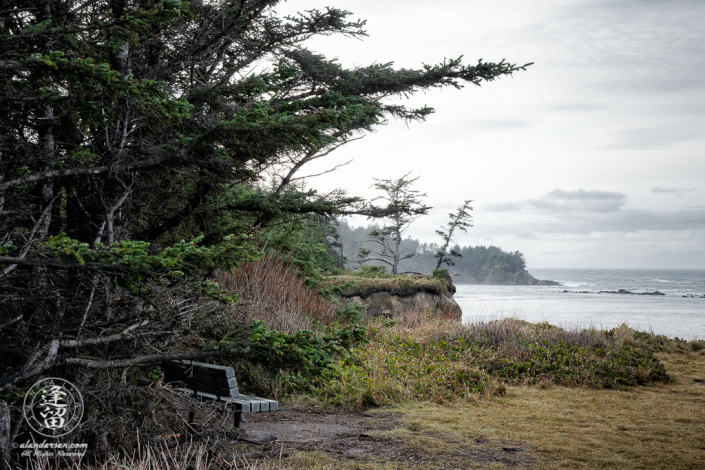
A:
475,265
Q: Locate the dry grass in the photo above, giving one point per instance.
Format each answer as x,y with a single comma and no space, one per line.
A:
418,315
271,290
648,427
189,456
644,427
659,426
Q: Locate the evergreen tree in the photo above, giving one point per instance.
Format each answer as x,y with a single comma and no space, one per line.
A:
132,139
459,220
404,207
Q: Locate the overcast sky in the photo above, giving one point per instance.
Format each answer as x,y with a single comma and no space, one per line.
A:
592,158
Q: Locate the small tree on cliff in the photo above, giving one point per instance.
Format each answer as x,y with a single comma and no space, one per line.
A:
459,220
404,205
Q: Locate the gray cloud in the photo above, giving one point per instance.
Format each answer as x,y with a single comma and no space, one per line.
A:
561,201
659,190
581,224
575,107
587,212
506,207
652,137
500,124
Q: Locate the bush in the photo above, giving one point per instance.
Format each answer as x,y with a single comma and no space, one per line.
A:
442,362
392,369
272,290
352,312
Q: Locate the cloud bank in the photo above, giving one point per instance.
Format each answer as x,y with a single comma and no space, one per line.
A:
588,212
659,190
562,201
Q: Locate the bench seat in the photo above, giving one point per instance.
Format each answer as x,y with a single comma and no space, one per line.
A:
243,403
214,382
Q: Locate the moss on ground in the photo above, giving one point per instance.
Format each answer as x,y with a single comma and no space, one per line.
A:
367,282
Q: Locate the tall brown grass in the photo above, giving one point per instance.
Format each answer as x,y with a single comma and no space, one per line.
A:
271,290
187,456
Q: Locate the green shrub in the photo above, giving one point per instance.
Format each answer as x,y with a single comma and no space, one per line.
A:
352,312
421,364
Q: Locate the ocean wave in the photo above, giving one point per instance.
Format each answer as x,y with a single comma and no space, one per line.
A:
574,284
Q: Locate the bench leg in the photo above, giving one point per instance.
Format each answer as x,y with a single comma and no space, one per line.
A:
238,418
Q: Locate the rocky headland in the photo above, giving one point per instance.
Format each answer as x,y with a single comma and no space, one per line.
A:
392,295
502,275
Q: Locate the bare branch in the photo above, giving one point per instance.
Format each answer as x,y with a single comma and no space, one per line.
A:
28,244
96,170
312,154
319,174
8,323
152,358
46,262
27,372
73,343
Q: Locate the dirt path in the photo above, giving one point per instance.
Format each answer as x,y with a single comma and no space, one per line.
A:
362,437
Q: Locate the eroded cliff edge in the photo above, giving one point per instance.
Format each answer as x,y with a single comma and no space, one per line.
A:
390,296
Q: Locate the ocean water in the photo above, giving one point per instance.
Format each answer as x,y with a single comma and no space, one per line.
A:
671,314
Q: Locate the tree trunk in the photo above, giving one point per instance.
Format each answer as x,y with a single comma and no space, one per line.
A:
46,193
5,435
397,244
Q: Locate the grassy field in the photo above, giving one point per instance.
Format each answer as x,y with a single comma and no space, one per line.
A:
571,417
655,426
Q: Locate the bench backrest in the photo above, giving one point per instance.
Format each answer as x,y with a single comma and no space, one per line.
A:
207,378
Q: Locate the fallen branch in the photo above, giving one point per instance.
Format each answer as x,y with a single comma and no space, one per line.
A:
150,359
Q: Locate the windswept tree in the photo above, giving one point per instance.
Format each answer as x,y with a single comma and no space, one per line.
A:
404,206
459,220
133,135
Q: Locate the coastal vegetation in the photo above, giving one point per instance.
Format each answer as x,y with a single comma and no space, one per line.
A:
152,210
406,207
443,363
149,148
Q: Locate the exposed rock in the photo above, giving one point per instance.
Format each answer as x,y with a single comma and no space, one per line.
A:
620,291
626,292
391,305
392,295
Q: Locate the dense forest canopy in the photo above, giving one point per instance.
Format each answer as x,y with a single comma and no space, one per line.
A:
474,264
135,140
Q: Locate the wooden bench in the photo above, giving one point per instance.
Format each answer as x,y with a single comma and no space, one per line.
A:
213,382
